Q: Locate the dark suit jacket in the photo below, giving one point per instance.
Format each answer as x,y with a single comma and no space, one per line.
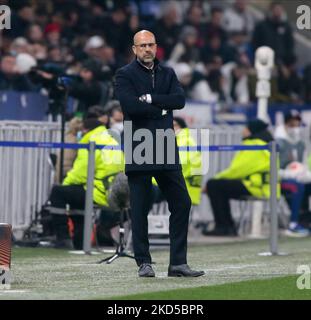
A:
134,80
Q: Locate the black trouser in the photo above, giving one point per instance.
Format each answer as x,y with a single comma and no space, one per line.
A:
173,187
74,196
220,191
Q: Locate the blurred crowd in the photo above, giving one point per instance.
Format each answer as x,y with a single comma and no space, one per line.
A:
78,45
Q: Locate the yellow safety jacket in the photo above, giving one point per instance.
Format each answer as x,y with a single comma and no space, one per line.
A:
253,168
191,165
108,163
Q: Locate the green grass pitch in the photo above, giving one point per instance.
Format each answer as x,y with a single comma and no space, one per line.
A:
233,271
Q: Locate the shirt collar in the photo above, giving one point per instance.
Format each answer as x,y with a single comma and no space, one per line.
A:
148,68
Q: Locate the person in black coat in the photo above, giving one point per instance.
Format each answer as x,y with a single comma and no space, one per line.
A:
276,33
148,92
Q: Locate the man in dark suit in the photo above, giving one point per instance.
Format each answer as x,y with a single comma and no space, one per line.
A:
148,92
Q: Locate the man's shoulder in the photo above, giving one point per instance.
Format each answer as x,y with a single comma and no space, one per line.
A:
126,69
165,68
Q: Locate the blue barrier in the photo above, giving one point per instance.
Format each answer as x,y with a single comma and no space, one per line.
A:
30,106
23,106
52,145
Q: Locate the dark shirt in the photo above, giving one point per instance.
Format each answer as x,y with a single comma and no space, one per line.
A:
88,94
276,35
133,81
16,83
167,36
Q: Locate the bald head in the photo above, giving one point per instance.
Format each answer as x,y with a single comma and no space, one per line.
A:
145,47
143,36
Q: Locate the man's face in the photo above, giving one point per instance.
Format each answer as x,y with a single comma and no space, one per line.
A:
8,65
145,48
217,18
293,123
246,133
195,15
241,4
277,12
86,74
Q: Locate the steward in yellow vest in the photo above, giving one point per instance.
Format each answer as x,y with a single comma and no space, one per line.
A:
247,175
108,163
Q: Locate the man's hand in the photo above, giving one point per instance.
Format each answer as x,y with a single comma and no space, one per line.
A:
147,98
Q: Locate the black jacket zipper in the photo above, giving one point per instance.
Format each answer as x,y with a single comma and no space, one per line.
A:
152,77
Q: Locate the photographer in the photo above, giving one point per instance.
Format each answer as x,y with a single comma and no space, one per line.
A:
87,90
85,87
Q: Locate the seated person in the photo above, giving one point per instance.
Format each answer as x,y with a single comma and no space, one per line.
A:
190,161
291,148
72,192
247,175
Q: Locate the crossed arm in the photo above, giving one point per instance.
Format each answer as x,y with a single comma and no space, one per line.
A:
133,105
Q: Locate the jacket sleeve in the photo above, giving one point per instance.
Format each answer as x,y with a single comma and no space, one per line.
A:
175,99
245,163
130,103
78,174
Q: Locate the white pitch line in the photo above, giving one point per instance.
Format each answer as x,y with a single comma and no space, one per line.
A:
235,267
3,292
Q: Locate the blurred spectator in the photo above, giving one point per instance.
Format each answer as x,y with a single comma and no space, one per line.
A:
116,118
96,48
10,76
290,140
53,34
239,18
73,135
291,149
289,82
186,49
35,33
214,27
117,29
55,55
239,42
38,51
88,90
193,82
148,11
213,75
216,47
307,84
195,19
167,29
276,33
22,17
19,45
235,85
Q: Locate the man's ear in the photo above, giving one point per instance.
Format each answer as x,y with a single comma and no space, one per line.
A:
134,49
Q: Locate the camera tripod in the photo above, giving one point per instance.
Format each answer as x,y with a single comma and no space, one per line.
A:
120,250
